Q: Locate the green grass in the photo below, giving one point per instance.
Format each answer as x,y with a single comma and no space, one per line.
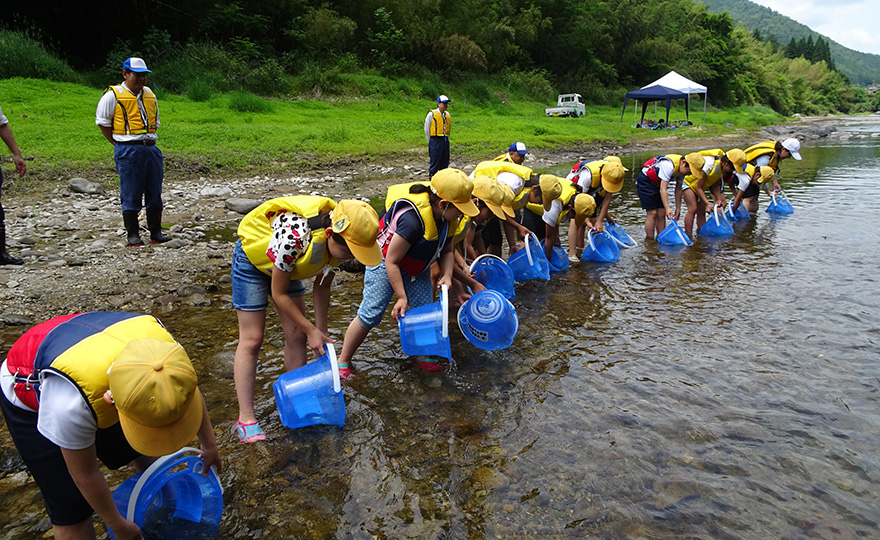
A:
54,123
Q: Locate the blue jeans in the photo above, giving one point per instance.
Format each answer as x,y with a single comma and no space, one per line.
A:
251,288
140,171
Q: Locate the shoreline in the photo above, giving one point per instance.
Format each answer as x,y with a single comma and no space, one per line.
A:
76,258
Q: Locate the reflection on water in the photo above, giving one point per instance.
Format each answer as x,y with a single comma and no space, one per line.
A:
726,390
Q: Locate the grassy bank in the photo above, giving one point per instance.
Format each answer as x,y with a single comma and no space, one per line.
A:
241,134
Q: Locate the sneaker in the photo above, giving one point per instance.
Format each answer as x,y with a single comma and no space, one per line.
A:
249,433
573,259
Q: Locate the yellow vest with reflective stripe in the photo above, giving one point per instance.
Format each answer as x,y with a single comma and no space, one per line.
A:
568,191
255,232
440,125
127,117
461,232
492,168
503,157
422,203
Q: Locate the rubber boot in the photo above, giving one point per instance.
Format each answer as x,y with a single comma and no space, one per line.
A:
6,258
154,223
130,219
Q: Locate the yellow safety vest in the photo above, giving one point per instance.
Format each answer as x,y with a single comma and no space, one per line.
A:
422,203
492,168
255,232
86,362
440,124
504,157
128,119
714,175
568,191
461,232
762,149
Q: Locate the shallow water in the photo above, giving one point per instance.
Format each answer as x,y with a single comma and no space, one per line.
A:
726,390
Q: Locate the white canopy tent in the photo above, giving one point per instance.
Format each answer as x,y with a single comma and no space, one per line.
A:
682,84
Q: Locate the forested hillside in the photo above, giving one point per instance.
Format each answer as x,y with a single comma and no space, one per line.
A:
861,68
490,51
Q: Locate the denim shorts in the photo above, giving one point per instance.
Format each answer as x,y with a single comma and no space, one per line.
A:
251,288
378,293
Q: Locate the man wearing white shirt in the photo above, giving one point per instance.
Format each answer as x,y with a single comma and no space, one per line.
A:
128,117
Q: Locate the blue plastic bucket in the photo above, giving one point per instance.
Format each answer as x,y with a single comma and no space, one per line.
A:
742,213
424,330
780,204
530,262
601,248
558,258
619,235
716,225
171,499
674,235
493,272
488,321
311,394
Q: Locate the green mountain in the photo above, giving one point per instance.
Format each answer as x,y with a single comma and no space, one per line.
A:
862,68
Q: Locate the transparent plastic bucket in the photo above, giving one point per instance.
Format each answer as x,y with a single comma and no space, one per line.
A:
674,235
601,248
529,262
424,330
311,394
619,235
488,321
172,500
558,258
493,272
716,225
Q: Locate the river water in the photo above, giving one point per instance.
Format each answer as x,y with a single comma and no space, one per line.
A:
727,390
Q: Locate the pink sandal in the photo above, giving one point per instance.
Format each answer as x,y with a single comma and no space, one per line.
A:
249,433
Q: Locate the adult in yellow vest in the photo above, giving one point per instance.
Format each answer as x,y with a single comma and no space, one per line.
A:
282,242
109,386
769,153
515,154
437,128
417,229
128,116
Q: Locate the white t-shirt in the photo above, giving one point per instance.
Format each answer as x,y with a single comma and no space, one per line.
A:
513,181
64,417
551,217
3,119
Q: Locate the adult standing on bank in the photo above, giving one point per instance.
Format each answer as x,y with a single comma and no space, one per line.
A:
437,125
128,116
20,168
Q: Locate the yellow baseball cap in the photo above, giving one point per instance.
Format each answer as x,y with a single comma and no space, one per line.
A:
738,158
696,162
357,223
613,159
154,387
488,190
507,202
612,177
767,174
551,189
455,186
584,207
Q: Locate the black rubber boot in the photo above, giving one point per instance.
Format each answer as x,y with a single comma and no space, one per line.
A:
6,258
154,223
130,219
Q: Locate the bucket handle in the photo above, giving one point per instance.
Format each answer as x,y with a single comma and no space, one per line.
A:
590,238
483,256
159,463
684,240
334,367
444,305
528,251
717,221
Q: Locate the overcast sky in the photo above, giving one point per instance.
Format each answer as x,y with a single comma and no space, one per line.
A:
852,23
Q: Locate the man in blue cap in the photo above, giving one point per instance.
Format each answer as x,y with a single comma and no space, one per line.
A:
128,116
437,125
515,154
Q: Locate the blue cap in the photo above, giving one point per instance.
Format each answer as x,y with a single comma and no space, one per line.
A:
519,148
135,64
442,99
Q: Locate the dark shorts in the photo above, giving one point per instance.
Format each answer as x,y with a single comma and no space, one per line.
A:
751,191
599,200
649,194
64,503
534,223
491,233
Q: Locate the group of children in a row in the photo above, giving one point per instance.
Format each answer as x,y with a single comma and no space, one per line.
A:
429,230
